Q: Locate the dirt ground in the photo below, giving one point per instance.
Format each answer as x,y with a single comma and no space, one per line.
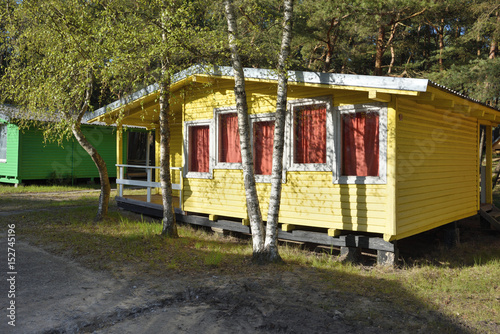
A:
57,295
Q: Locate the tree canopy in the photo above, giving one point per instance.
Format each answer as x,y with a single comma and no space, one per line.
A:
452,42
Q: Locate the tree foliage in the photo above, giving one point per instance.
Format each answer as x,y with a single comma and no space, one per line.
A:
55,59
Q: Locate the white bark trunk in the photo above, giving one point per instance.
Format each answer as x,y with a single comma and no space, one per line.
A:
102,209
169,224
271,242
253,208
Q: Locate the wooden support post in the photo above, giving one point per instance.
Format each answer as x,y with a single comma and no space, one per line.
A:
489,165
451,235
213,218
245,222
333,232
287,227
157,156
388,258
350,254
119,147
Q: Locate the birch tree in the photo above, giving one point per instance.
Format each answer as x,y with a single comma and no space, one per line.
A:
265,248
253,207
55,62
271,242
150,41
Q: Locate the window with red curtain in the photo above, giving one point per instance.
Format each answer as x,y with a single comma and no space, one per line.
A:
199,149
263,139
229,138
360,144
310,134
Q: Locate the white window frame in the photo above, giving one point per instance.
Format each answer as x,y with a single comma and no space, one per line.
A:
198,175
290,140
4,128
255,118
381,109
217,164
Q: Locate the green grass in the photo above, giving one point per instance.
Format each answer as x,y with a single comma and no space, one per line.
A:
462,284
10,189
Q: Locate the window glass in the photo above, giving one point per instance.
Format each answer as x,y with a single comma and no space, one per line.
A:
229,138
3,142
263,138
310,134
360,144
199,149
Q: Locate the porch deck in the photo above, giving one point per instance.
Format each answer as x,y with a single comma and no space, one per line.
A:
139,204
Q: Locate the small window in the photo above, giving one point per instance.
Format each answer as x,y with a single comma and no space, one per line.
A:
362,144
263,147
263,139
197,142
310,135
3,142
228,150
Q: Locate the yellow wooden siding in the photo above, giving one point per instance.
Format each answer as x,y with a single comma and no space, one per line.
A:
437,168
308,198
176,142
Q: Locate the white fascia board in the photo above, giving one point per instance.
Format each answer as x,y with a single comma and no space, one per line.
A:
405,84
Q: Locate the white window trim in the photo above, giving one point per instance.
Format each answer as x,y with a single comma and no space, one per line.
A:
290,142
198,175
217,164
5,125
381,109
254,118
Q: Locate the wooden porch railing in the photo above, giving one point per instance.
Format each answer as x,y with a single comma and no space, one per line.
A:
149,183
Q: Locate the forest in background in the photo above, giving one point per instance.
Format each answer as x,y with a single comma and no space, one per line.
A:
451,42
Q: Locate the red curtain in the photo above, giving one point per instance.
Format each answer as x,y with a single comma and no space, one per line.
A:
199,149
229,138
310,134
263,139
360,144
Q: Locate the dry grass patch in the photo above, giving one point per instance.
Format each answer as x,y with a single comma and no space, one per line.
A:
461,283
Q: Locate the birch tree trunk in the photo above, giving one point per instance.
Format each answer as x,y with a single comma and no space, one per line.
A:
104,196
102,209
271,243
253,208
169,228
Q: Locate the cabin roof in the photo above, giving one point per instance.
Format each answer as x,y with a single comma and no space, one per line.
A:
10,112
373,84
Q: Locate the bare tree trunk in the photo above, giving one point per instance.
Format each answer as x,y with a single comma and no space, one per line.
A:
494,40
169,225
253,208
441,45
393,56
102,209
380,49
493,50
271,243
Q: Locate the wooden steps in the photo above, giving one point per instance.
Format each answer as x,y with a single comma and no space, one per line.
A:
491,214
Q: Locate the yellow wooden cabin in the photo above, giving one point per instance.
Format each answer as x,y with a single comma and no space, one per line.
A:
393,157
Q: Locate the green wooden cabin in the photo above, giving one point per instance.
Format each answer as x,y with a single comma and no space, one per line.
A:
25,156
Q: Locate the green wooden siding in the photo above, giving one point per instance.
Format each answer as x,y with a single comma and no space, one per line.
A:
29,158
8,169
41,160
